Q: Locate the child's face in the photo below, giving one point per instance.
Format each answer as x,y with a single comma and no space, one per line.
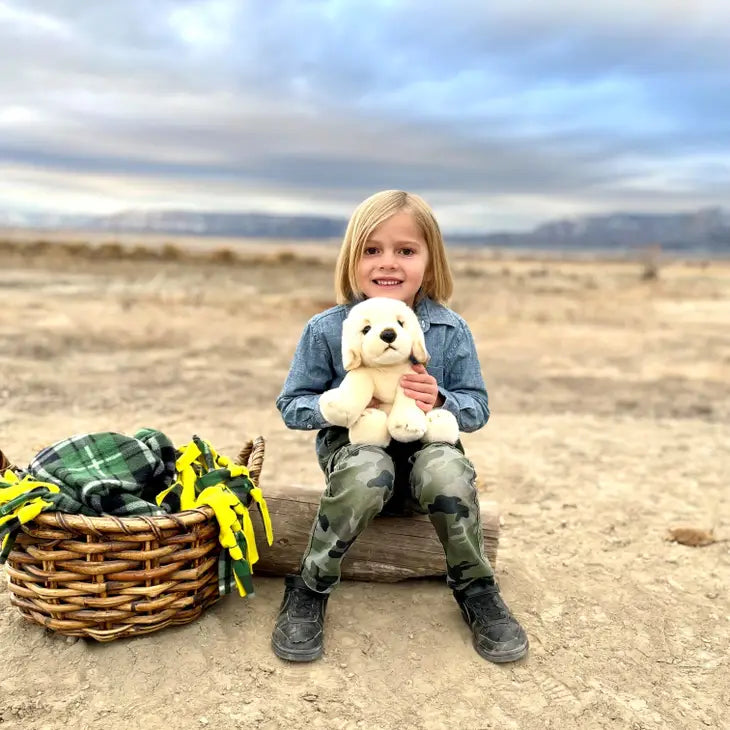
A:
394,260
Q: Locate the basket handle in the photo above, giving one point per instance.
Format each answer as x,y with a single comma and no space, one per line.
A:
252,456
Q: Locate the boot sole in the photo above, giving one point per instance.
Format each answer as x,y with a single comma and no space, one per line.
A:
502,657
292,655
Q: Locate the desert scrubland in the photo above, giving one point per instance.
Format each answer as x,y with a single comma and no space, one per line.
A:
611,424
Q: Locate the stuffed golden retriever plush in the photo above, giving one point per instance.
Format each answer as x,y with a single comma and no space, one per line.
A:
379,337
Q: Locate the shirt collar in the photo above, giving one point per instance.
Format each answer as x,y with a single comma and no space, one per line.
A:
430,312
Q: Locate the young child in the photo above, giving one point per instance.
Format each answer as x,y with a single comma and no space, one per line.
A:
393,248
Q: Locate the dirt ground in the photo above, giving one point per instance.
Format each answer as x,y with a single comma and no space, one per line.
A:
610,425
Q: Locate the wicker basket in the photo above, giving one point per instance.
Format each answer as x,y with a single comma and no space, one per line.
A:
109,577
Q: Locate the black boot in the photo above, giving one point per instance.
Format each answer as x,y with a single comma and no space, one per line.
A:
299,632
496,634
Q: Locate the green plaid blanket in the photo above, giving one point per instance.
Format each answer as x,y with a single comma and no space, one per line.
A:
107,473
113,474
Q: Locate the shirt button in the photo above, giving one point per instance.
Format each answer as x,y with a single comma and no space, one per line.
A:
423,324
309,426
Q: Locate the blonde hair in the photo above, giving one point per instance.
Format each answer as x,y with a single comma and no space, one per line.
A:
437,280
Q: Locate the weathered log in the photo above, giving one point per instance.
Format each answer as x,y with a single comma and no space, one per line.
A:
389,550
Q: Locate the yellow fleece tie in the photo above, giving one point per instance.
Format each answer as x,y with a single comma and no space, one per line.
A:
236,532
17,500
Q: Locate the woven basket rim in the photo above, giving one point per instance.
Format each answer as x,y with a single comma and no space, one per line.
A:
132,523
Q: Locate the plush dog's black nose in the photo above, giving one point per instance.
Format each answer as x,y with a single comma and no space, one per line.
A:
388,335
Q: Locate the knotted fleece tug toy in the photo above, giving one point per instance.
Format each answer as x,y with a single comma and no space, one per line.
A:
205,477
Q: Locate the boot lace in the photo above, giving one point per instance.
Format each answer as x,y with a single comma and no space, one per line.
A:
488,605
305,604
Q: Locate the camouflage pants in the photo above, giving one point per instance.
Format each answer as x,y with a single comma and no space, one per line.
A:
362,481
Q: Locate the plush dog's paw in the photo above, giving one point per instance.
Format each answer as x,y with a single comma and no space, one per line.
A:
441,425
408,426
371,428
332,409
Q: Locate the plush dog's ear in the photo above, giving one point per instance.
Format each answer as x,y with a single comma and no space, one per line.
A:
418,351
351,357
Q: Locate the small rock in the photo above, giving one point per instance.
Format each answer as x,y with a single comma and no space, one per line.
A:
310,697
203,720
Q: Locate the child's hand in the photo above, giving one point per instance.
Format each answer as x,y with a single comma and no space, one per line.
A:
422,387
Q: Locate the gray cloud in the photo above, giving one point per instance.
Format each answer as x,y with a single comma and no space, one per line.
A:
502,115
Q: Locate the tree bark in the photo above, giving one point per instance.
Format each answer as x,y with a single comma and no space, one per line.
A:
389,550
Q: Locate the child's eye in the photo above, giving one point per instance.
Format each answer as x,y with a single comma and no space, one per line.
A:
366,329
370,251
407,251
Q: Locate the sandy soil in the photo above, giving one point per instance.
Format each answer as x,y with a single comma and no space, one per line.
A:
610,420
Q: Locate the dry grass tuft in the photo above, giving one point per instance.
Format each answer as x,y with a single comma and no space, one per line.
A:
111,250
37,248
140,253
651,262
75,248
171,252
223,256
283,257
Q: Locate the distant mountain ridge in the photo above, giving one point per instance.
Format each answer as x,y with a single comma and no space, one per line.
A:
254,225
705,229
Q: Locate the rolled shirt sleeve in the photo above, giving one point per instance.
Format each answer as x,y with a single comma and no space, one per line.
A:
463,390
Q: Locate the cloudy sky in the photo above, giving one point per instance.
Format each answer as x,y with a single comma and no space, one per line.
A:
501,114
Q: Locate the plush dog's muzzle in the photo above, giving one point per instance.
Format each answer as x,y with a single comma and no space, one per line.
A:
388,335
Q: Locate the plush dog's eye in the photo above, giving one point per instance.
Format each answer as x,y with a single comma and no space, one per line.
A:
402,324
366,329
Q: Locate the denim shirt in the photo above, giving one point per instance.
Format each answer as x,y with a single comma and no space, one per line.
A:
317,367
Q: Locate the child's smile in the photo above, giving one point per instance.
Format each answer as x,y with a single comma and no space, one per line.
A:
382,281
